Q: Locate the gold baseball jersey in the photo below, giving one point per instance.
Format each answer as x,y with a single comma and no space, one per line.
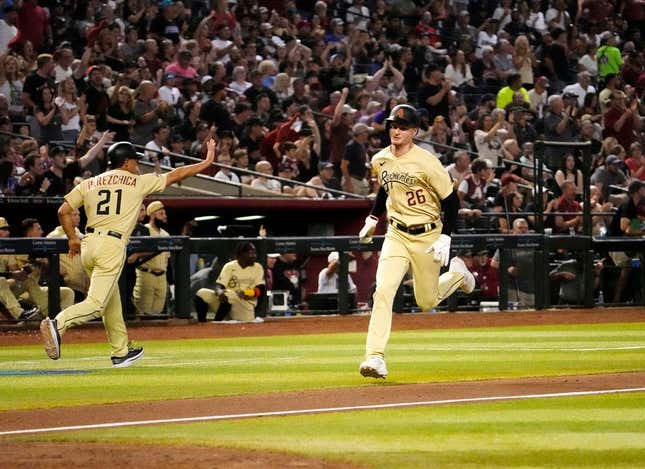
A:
112,199
415,182
160,261
235,278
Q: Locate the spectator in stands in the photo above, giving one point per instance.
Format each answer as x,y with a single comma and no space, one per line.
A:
538,95
636,161
622,121
353,165
513,206
513,85
328,276
486,276
569,171
147,112
434,94
324,179
225,174
120,116
560,125
33,181
491,131
609,175
62,172
571,221
460,167
626,222
240,160
95,100
608,56
35,80
156,148
472,191
582,88
48,116
263,182
521,266
68,105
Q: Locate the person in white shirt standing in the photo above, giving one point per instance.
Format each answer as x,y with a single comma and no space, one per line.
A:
328,276
8,28
581,88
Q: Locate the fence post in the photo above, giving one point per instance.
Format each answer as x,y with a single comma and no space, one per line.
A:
343,282
53,285
183,301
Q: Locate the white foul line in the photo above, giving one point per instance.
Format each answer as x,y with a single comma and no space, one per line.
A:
313,411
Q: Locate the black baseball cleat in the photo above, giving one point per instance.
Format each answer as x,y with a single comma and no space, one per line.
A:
31,314
51,338
132,356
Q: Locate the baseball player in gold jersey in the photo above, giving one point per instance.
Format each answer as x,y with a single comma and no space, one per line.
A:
238,288
415,190
111,201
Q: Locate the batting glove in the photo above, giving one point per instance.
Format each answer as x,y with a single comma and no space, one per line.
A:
365,235
441,249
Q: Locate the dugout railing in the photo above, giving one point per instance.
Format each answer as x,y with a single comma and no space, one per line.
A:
182,247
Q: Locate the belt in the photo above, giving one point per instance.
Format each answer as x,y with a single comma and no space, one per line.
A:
114,234
413,229
157,273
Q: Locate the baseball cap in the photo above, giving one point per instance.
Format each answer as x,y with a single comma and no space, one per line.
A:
169,76
544,80
205,78
4,223
325,165
586,118
154,207
508,178
333,256
612,159
348,109
569,94
273,255
360,129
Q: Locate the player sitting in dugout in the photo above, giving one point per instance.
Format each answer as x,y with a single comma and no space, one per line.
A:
237,289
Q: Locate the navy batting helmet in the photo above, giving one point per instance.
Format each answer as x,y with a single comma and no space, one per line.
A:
403,114
120,152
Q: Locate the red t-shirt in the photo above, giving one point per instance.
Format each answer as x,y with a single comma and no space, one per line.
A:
32,25
626,135
634,166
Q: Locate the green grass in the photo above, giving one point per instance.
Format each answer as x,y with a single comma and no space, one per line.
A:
202,368
581,432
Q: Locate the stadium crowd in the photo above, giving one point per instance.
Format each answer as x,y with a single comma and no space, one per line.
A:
301,89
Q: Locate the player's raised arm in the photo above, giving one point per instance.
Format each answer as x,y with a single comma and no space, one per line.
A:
183,172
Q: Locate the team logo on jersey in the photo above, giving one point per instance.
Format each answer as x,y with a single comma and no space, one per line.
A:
233,283
389,179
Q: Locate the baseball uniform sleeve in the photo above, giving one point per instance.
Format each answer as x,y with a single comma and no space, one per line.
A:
259,274
152,183
75,197
224,275
438,178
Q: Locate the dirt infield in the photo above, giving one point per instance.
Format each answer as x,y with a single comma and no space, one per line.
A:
87,455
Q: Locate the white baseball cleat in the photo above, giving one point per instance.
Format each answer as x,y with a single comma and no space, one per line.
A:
458,265
50,337
373,367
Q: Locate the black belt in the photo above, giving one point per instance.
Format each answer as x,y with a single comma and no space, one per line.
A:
414,229
114,234
157,273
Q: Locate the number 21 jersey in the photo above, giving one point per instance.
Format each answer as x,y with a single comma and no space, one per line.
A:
415,182
112,199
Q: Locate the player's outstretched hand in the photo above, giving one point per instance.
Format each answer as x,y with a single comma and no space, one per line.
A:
365,235
210,146
441,249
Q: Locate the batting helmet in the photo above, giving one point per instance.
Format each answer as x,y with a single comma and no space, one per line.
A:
403,114
120,152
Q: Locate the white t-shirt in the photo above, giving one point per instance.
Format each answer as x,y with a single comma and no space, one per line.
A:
239,88
169,94
268,184
537,101
579,91
7,33
590,64
330,284
497,14
62,73
489,150
222,44
152,145
552,14
484,39
75,122
230,177
455,75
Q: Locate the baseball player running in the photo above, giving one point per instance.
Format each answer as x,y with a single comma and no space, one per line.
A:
415,189
111,201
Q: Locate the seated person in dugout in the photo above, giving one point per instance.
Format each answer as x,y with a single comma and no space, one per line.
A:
238,287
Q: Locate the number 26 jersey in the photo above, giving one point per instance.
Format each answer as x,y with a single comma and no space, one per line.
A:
112,199
415,182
